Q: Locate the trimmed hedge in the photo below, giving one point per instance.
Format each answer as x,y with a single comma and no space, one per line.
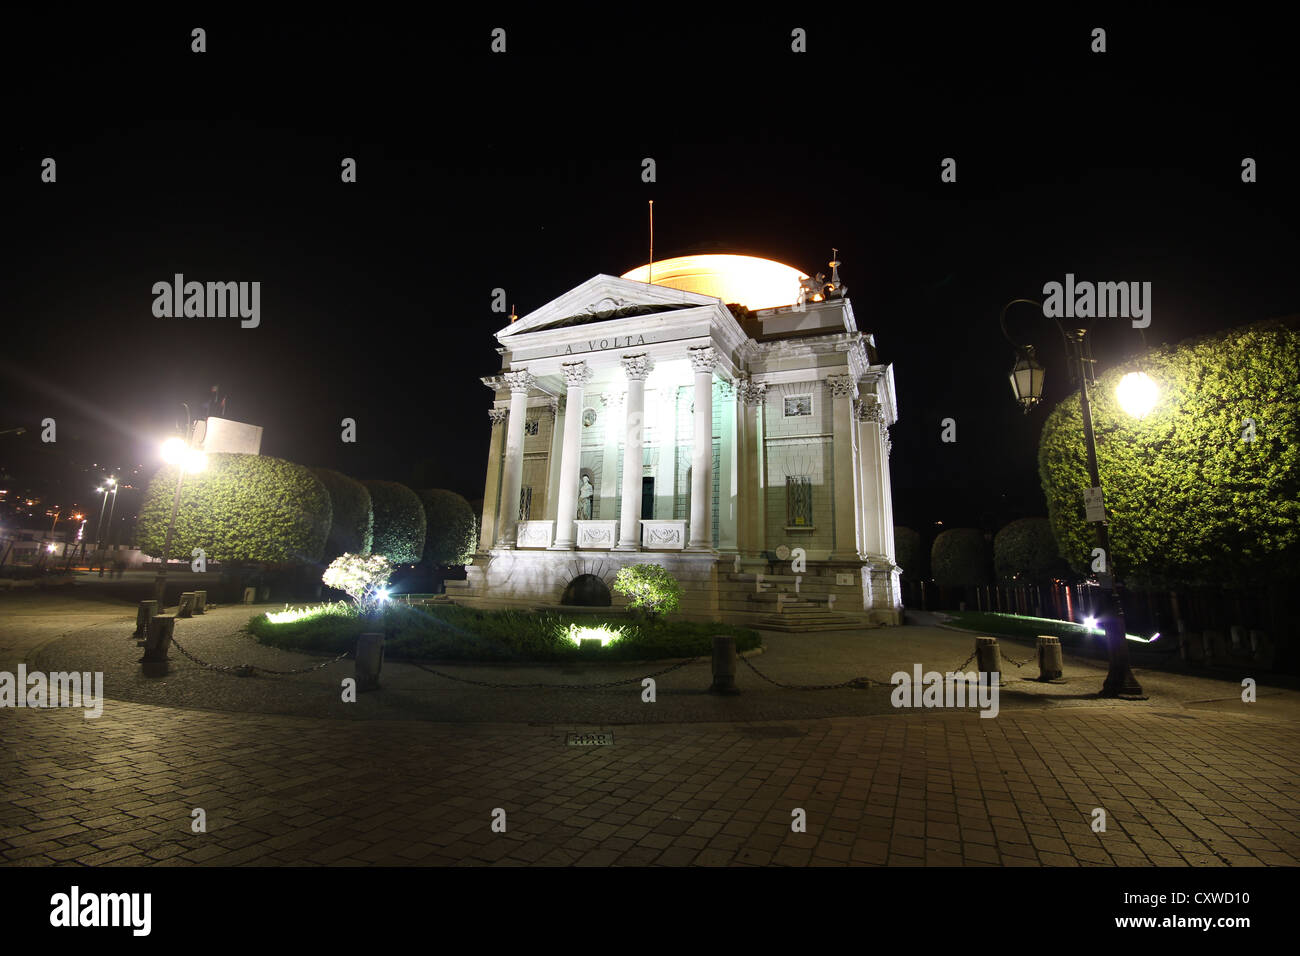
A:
399,526
960,558
1025,550
353,526
451,533
239,508
1190,498
910,553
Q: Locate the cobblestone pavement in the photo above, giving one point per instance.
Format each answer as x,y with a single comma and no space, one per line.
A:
1190,777
919,789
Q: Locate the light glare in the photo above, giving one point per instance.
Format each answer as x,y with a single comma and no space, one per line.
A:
1137,394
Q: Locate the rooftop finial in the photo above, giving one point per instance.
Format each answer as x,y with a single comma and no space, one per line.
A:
834,287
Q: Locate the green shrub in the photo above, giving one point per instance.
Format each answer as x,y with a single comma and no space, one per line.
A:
909,553
239,508
1189,499
959,558
399,522
650,587
451,531
353,525
1025,550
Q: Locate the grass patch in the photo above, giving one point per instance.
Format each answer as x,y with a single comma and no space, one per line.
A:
455,633
1020,627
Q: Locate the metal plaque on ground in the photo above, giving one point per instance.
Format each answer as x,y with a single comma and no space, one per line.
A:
603,739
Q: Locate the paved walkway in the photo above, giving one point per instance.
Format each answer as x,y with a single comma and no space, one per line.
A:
1182,782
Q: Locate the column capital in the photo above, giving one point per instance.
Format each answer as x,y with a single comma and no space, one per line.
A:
498,415
842,386
576,374
519,381
870,412
637,367
889,445
703,359
753,393
552,408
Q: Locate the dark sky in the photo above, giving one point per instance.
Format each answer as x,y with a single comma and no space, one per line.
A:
523,171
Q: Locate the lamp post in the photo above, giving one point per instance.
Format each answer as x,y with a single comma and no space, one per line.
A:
1027,384
186,458
112,490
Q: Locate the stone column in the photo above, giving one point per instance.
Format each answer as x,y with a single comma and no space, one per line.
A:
873,477
513,478
637,368
576,376
887,498
843,391
729,464
753,518
610,403
702,360
487,530
554,455
859,489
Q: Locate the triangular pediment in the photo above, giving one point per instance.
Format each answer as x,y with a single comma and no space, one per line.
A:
601,298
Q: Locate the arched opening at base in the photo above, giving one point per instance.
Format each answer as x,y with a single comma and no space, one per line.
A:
587,590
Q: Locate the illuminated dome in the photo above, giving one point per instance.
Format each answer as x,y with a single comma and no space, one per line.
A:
752,282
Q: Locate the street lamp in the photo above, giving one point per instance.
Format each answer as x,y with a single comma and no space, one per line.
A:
179,452
1027,384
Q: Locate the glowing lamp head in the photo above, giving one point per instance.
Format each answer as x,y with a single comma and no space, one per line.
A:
173,451
1090,622
1137,394
383,594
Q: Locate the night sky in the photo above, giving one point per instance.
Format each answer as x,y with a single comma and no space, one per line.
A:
523,171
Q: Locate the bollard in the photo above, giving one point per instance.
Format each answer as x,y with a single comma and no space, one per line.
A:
143,615
988,658
159,639
370,660
724,666
250,595
264,593
200,601
1050,663
186,606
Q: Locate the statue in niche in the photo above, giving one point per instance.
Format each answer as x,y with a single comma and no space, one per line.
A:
585,492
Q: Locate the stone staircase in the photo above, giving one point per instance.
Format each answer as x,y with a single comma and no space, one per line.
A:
783,609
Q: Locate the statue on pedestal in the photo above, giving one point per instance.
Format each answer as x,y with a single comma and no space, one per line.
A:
585,492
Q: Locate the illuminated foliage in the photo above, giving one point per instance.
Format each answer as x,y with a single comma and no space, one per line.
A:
399,522
1204,489
452,533
649,587
352,528
364,578
239,508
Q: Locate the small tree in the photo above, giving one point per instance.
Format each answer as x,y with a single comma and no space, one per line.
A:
650,587
361,577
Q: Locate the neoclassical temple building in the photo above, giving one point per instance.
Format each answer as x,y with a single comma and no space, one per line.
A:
713,414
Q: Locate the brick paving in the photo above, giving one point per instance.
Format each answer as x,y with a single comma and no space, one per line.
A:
920,788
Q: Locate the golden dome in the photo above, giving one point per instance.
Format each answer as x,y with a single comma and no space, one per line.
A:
752,282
